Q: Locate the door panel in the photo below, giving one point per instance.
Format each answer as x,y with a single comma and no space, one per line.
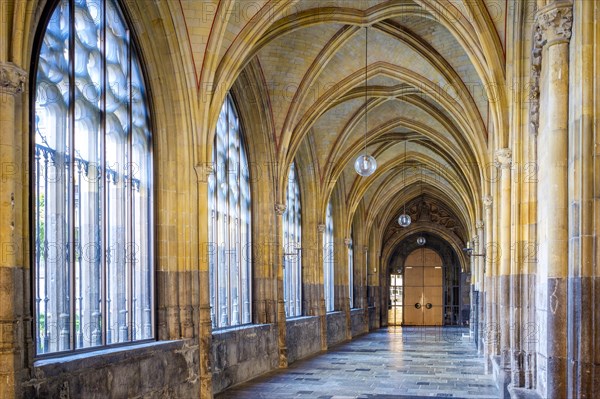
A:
423,285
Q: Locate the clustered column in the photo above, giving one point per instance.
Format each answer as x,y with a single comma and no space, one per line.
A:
14,274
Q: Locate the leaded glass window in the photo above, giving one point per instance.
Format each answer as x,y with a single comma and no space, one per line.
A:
292,239
92,183
229,224
328,261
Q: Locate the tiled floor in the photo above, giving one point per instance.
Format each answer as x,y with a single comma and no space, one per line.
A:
385,364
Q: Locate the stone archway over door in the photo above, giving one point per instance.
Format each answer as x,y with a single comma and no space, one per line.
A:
423,287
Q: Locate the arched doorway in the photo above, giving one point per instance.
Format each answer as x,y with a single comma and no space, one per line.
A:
419,275
423,287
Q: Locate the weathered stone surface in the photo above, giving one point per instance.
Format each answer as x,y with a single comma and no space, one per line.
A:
239,354
359,322
303,337
145,370
336,328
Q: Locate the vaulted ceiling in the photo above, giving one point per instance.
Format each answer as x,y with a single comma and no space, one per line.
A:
434,102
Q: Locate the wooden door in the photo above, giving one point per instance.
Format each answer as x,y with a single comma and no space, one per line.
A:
423,302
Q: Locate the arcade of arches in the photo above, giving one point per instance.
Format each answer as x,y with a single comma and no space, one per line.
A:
179,209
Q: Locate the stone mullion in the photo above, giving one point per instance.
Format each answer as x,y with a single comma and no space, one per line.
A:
14,275
281,317
553,23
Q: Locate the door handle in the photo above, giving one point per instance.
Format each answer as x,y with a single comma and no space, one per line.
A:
429,306
418,305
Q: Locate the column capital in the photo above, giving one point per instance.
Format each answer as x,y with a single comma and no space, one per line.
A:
348,241
479,224
12,78
504,157
555,22
280,208
321,227
487,201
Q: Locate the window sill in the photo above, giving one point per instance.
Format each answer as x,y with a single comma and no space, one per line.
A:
241,327
97,358
297,319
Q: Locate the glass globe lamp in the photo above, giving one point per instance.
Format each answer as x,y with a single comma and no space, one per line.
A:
421,241
404,220
365,165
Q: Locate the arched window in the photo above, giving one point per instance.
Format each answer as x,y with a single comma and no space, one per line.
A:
351,270
328,260
229,224
92,182
292,240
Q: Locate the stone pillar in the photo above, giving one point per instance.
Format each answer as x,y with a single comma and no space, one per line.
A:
553,23
15,320
281,318
481,287
347,245
490,331
584,201
322,308
504,161
204,327
474,289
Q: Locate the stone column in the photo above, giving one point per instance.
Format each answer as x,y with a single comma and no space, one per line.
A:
321,267
474,315
490,331
15,320
281,318
347,244
204,327
504,161
482,287
553,23
584,202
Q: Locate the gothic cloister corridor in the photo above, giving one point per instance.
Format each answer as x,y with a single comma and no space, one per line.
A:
392,363
312,198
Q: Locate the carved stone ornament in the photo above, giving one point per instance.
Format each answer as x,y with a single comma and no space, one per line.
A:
12,78
556,22
552,24
487,201
479,224
347,241
321,227
504,157
280,209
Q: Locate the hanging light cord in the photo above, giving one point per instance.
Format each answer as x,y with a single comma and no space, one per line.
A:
366,100
405,172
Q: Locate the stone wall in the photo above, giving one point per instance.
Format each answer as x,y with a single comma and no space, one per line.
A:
243,353
373,320
153,370
359,322
336,328
303,337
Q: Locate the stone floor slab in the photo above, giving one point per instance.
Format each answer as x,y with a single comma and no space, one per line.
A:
392,363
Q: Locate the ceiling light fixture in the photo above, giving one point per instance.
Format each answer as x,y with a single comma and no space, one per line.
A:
365,164
404,220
